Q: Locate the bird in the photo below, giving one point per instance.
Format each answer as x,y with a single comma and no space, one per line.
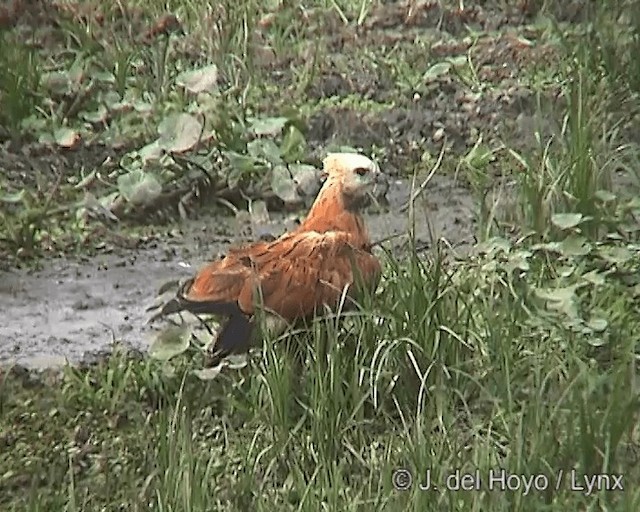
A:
326,259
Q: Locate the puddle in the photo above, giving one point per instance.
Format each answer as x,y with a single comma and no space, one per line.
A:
73,311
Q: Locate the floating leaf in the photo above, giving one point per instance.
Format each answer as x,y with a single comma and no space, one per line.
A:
557,294
97,116
307,179
237,361
575,245
66,137
199,80
437,70
293,145
615,255
597,324
170,342
179,132
268,126
56,82
243,163
208,373
283,186
605,196
139,187
566,220
150,152
265,149
594,277
596,342
518,261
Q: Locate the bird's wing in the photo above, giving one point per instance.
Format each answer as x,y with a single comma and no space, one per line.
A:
291,277
305,272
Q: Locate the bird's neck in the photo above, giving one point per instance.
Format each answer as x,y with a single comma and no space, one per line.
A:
331,212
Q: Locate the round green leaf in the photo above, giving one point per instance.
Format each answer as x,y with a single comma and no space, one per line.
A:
208,373
597,324
179,133
139,187
199,80
574,246
307,179
616,255
566,220
283,186
66,137
268,126
293,145
170,342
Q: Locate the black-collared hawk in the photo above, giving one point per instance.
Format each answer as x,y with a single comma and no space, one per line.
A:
298,274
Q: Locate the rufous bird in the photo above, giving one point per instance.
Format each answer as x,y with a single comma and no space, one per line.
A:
297,275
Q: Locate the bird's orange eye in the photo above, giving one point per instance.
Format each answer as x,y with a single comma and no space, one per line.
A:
361,171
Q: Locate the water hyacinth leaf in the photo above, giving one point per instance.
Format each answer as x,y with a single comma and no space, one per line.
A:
293,145
237,361
205,339
56,82
597,324
265,149
268,126
243,163
179,132
575,245
519,260
605,196
208,373
66,137
170,342
150,152
307,179
560,299
566,220
139,187
594,277
283,186
615,255
436,71
97,116
199,80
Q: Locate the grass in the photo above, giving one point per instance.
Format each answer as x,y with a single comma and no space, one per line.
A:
521,356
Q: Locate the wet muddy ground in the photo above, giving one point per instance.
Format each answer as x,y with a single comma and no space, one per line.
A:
71,310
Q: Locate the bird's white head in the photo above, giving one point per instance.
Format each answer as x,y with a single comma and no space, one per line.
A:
357,174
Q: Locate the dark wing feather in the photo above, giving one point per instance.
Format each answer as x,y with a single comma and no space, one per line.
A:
308,271
292,277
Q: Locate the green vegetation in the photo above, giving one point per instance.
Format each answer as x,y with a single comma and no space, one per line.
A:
521,355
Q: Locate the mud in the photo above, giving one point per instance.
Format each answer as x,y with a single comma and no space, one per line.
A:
73,310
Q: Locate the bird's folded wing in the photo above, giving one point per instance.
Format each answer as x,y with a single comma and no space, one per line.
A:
292,276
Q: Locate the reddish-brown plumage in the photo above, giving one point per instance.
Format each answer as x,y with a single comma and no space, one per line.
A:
299,273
